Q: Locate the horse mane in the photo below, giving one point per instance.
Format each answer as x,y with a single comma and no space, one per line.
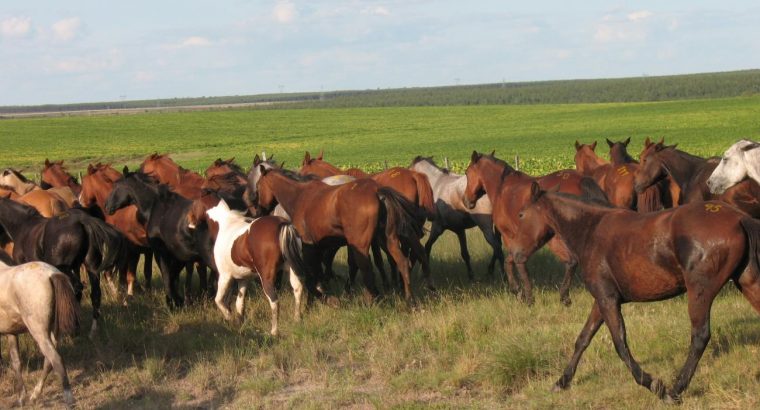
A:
295,176
232,164
430,161
230,178
19,175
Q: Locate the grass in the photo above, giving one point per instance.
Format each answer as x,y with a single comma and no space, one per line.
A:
467,346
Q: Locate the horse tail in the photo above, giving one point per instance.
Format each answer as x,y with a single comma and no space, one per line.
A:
292,249
401,216
424,194
650,200
66,320
592,191
106,245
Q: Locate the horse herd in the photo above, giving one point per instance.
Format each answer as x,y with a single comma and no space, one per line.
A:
672,223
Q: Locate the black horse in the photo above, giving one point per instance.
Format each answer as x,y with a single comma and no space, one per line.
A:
66,241
175,245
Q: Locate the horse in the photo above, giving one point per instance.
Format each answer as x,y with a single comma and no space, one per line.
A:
16,181
691,173
508,190
355,214
165,214
645,257
46,203
412,185
246,247
54,175
228,179
97,184
739,162
37,298
66,241
183,181
452,214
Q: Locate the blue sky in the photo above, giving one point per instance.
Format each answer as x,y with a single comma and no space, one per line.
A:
77,51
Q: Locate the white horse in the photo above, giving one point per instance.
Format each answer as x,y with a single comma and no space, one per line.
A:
452,214
37,298
741,160
246,247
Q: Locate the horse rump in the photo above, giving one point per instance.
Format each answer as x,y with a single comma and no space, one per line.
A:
67,316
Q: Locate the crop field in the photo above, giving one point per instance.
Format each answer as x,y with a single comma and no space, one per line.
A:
465,346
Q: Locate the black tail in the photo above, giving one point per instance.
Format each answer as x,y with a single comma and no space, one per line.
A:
752,229
402,216
105,244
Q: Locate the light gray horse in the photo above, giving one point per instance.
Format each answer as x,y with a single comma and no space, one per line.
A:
740,161
37,298
453,215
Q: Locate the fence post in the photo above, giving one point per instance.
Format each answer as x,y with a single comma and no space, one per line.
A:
446,163
264,155
386,164
517,162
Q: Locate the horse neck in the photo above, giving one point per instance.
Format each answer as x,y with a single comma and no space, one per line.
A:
431,171
573,220
682,166
491,176
15,220
145,198
621,157
287,191
586,164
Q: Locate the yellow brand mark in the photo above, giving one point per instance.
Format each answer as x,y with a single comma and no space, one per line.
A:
565,175
394,174
354,186
712,207
622,171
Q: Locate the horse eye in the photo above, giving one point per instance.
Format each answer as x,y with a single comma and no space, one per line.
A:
520,215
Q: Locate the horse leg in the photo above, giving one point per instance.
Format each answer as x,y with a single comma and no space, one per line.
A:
609,306
486,226
46,342
593,323
509,270
527,290
417,251
202,277
560,250
133,260
352,269
148,268
221,293
700,302
271,293
465,253
377,259
402,262
295,283
361,257
94,278
436,230
16,365
189,268
240,302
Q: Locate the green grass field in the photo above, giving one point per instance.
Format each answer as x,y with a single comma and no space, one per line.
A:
468,346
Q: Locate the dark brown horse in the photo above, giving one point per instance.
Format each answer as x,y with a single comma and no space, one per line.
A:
412,185
691,172
509,190
55,175
355,214
634,257
228,180
97,184
182,181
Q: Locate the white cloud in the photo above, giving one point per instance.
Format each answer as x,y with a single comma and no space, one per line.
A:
15,26
89,64
189,42
66,29
284,12
376,11
639,15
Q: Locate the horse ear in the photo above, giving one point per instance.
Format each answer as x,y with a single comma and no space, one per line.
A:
217,162
231,160
282,165
593,146
610,143
535,191
263,170
90,169
751,146
256,160
125,171
47,163
475,157
321,154
306,158
493,152
577,145
647,142
662,141
627,141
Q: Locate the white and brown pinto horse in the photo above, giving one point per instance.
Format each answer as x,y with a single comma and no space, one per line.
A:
37,298
246,247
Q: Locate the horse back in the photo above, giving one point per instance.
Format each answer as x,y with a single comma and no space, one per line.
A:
258,245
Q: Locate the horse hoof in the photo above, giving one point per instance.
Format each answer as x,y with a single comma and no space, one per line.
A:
658,388
556,388
332,301
566,301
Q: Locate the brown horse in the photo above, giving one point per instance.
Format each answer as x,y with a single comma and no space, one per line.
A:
16,181
54,175
182,181
690,172
412,185
96,186
355,214
228,180
634,257
508,190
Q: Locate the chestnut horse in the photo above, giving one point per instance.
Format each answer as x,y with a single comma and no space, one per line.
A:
412,185
228,180
54,175
16,181
634,257
97,184
691,172
183,181
508,190
355,213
